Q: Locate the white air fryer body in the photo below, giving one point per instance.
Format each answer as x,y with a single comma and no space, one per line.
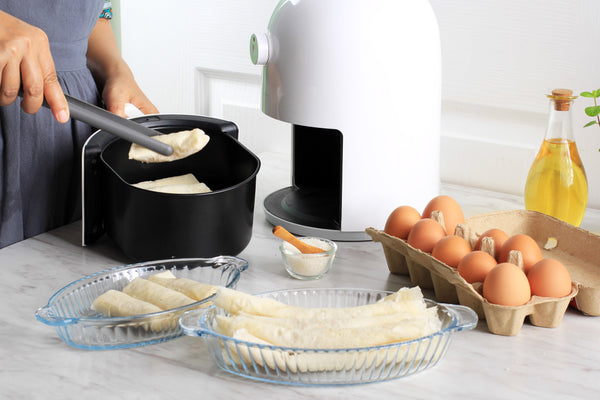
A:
370,69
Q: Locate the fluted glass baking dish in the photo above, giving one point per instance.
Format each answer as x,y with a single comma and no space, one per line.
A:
69,310
314,367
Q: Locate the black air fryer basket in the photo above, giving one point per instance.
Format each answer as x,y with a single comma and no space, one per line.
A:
150,225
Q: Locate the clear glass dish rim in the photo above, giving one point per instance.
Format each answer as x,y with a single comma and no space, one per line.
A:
243,265
454,325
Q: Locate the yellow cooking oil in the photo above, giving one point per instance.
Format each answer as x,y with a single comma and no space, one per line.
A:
556,183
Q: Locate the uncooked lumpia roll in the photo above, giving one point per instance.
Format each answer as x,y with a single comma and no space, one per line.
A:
118,304
181,184
406,300
184,143
193,289
156,294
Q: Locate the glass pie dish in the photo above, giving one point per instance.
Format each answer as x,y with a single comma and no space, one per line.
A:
70,309
316,367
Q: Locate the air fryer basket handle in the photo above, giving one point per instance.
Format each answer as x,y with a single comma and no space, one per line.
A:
223,126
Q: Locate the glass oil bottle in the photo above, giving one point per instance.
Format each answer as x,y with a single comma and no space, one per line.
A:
556,184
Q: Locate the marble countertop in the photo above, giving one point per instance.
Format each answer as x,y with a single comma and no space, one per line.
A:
562,362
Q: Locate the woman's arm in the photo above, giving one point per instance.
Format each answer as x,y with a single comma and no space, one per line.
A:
112,73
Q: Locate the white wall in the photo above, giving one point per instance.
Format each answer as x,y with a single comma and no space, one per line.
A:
116,20
500,59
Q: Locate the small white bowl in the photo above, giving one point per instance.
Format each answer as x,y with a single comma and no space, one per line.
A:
308,266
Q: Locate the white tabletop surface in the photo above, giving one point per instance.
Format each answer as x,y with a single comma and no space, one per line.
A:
538,363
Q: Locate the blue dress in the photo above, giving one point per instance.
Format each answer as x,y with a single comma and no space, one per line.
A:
40,159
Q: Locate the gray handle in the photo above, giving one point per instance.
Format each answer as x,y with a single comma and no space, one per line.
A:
122,127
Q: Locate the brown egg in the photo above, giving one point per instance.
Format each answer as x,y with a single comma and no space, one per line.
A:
450,250
425,234
507,285
453,214
499,237
549,278
475,266
401,221
528,247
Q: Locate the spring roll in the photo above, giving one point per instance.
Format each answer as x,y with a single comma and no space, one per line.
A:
193,289
156,294
184,144
118,304
180,184
324,336
405,300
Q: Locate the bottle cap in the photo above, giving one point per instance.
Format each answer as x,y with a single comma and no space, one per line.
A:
562,99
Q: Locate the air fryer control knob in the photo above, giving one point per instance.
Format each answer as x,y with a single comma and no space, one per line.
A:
259,48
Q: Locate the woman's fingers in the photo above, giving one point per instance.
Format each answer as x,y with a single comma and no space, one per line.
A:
10,83
52,90
12,52
56,100
33,86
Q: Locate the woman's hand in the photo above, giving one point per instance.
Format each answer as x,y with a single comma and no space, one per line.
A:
120,88
25,61
112,73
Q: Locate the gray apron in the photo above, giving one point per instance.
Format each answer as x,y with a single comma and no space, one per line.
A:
40,159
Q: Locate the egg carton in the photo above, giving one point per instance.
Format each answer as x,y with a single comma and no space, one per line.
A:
577,249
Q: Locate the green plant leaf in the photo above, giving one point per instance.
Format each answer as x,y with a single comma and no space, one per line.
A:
590,124
592,95
592,111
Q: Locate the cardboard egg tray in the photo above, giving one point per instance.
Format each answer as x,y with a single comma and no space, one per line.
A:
577,249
